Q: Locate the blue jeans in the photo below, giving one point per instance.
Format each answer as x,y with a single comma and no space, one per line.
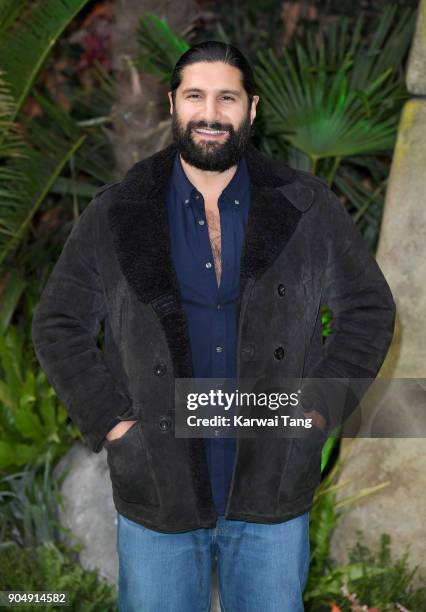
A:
260,567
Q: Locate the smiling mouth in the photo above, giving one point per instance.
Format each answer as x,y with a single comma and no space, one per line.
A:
210,133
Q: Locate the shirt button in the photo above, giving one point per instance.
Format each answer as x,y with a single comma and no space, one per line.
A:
197,197
201,222
219,349
218,306
186,201
208,264
236,201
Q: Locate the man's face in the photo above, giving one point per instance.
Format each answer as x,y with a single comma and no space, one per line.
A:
211,119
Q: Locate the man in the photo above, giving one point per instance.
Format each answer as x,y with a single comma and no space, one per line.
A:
210,260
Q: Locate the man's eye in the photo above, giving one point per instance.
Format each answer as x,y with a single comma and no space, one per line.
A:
223,97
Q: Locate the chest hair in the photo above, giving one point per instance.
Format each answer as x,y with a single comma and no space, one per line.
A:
213,222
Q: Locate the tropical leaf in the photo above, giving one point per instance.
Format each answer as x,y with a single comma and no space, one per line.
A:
315,110
28,37
334,96
12,293
30,168
161,47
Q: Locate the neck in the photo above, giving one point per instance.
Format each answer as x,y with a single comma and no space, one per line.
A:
209,183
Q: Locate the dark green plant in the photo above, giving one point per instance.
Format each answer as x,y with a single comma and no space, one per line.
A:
161,48
395,585
334,94
375,578
60,152
29,503
37,553
249,25
49,567
29,164
33,422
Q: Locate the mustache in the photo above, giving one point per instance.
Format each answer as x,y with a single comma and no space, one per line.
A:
209,126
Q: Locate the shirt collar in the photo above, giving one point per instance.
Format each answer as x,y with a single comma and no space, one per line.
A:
234,190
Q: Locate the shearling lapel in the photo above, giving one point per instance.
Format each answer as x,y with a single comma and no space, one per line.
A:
139,224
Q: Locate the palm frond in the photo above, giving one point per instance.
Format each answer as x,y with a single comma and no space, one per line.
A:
25,43
161,47
317,110
333,95
27,177
10,11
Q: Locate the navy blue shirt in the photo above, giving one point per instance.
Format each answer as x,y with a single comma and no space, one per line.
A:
211,311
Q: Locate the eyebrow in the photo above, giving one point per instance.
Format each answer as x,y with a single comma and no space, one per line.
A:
234,92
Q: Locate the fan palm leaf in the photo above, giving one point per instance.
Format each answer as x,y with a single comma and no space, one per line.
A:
337,97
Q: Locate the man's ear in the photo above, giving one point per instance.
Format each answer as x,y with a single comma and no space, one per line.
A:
171,101
253,107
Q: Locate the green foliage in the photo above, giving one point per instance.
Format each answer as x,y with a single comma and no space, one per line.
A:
28,33
340,96
29,502
375,578
394,584
30,167
49,568
35,153
371,579
30,163
32,420
33,423
161,48
37,553
250,25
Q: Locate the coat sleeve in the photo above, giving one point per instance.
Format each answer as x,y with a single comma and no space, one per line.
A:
65,326
362,326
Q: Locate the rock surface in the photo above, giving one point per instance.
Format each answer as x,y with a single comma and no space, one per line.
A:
399,509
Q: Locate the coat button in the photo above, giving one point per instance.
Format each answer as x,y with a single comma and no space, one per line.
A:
281,290
279,352
160,369
165,424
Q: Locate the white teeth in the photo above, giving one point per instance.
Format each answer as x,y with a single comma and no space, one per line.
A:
201,131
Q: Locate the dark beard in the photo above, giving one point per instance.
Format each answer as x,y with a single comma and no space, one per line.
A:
211,155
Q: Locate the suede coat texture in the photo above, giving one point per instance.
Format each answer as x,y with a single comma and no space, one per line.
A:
301,250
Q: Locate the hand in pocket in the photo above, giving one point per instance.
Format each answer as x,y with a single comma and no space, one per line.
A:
119,430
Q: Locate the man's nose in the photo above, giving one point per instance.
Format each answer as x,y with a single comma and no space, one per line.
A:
211,110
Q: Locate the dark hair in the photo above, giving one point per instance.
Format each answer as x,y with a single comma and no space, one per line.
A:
214,51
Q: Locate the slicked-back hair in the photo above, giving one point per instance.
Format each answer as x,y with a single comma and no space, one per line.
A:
215,51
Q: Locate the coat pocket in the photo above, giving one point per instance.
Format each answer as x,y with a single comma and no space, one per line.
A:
129,468
303,470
